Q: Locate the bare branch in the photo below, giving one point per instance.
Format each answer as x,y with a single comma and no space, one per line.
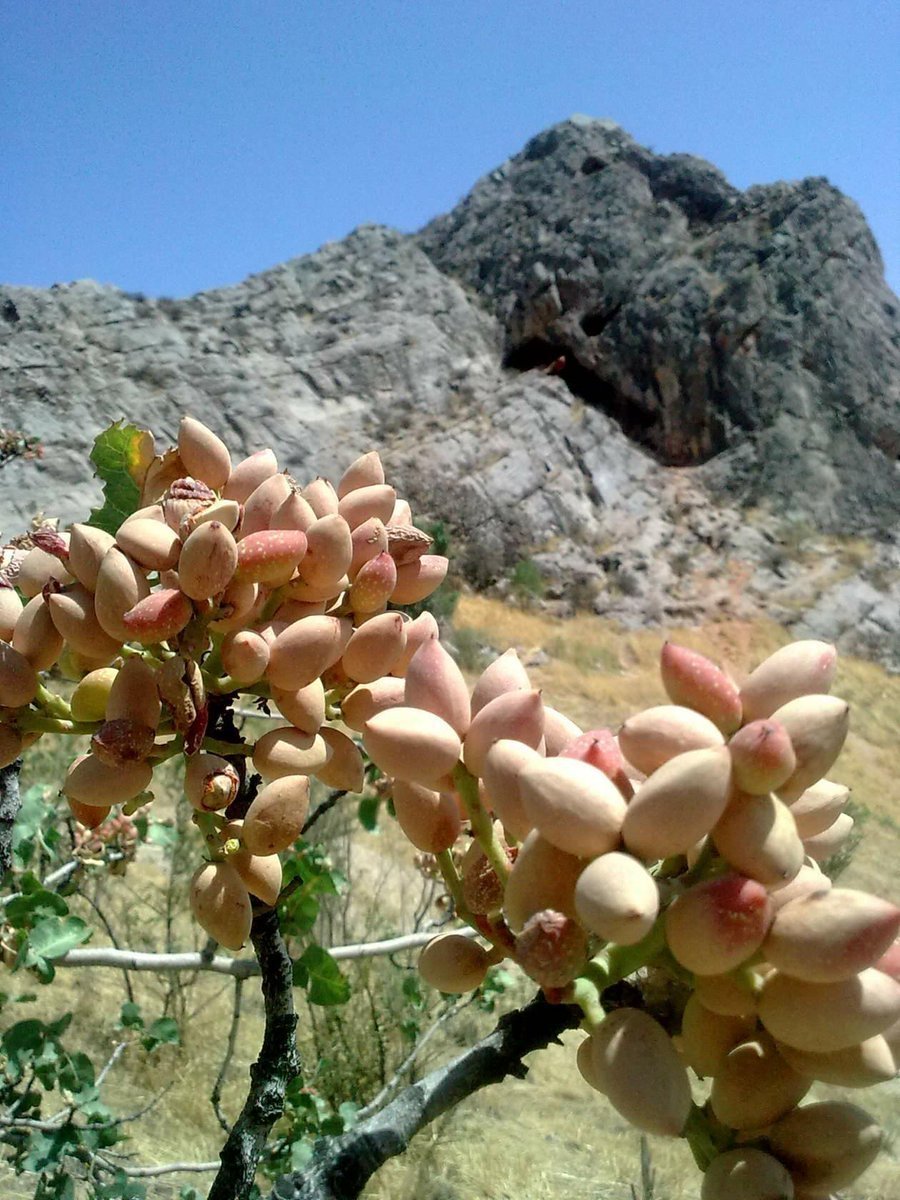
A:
277,1065
406,941
136,960
175,1168
341,1166
240,968
118,1050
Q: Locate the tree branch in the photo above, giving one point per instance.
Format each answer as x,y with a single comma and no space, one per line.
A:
240,968
175,1168
10,803
341,1166
277,1065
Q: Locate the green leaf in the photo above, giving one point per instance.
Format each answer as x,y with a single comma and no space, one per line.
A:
120,458
55,936
163,1032
76,1075
57,1028
412,990
120,1187
26,832
27,910
299,974
42,967
327,986
20,1043
130,1016
58,1186
46,1150
300,912
367,811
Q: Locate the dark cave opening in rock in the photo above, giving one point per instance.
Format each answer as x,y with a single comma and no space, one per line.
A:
641,425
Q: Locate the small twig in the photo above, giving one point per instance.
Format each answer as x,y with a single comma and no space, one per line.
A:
111,933
377,1101
50,1125
321,809
216,1094
140,1112
11,1111
117,1053
60,876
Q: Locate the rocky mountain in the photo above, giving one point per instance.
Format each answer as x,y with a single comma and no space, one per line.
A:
676,398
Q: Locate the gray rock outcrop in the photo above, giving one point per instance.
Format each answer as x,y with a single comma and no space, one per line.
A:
680,400
748,331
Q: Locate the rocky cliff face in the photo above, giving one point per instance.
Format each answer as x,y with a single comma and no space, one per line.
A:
750,332
677,398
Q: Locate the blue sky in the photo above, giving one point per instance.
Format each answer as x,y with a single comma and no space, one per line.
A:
167,147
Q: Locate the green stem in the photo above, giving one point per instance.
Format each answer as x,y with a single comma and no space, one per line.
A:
219,685
482,825
482,926
746,978
706,1136
618,962
272,605
669,867
30,721
160,753
209,825
708,864
224,685
154,660
212,664
584,993
451,877
226,749
53,705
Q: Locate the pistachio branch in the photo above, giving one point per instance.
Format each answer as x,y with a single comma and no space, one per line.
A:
341,1166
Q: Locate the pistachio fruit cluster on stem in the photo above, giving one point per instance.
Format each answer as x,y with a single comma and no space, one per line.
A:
681,854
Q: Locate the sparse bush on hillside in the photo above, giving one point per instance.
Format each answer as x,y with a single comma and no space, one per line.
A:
527,581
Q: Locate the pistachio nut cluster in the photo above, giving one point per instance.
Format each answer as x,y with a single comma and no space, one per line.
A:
684,848
228,579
